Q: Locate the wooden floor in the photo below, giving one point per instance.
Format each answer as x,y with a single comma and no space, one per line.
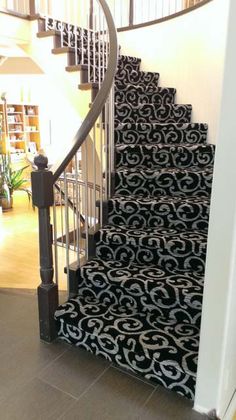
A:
19,259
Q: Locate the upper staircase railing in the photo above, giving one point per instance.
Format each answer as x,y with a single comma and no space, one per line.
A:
127,14
70,194
132,13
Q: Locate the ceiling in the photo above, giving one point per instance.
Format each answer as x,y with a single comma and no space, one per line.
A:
13,60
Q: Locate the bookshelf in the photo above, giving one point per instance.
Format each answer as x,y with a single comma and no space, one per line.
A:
19,130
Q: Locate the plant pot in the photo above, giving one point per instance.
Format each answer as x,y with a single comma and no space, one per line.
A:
6,204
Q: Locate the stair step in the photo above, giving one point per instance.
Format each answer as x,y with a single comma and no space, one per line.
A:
48,33
129,113
155,133
141,78
77,67
171,182
128,63
63,50
166,248
164,156
136,94
173,295
172,212
166,354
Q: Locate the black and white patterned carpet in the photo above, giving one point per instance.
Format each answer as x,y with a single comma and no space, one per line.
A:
139,300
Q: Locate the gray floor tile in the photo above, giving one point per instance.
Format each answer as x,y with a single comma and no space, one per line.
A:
114,396
23,362
102,394
35,401
80,369
20,314
166,405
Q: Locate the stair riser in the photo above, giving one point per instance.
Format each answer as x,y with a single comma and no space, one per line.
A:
145,96
148,183
170,214
127,113
175,252
114,350
154,157
139,78
128,64
160,133
145,290
145,255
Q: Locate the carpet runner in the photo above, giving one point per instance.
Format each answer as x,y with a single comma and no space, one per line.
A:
139,299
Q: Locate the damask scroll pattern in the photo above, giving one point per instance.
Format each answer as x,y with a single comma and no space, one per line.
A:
138,342
144,95
171,182
167,248
139,300
174,212
160,133
129,113
164,156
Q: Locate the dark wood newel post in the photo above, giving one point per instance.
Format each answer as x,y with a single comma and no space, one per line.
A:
42,196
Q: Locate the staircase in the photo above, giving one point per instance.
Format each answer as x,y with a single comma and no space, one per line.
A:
140,295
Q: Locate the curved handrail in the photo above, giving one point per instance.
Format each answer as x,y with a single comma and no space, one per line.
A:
100,99
187,9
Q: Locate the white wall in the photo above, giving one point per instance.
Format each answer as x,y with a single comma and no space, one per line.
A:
217,362
13,30
188,52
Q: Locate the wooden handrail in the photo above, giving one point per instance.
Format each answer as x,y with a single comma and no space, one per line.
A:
160,20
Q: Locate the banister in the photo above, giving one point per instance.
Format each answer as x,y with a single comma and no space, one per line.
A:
100,99
186,9
44,182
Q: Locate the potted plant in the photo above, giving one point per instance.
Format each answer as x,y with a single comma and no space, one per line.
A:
10,181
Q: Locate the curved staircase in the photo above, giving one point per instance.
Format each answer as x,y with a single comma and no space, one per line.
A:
140,295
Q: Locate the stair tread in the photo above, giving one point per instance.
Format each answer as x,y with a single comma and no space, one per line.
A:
128,112
208,169
152,105
146,287
154,156
129,59
160,132
160,146
140,333
164,247
161,199
166,211
126,234
143,125
136,77
147,88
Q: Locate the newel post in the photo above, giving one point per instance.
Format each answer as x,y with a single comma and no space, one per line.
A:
42,196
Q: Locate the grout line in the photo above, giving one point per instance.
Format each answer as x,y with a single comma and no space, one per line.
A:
134,376
27,381
83,393
150,396
58,389
52,361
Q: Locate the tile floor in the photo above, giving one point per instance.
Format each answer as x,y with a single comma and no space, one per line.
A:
40,381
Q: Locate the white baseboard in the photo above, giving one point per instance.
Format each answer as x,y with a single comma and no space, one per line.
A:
201,410
231,411
229,415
